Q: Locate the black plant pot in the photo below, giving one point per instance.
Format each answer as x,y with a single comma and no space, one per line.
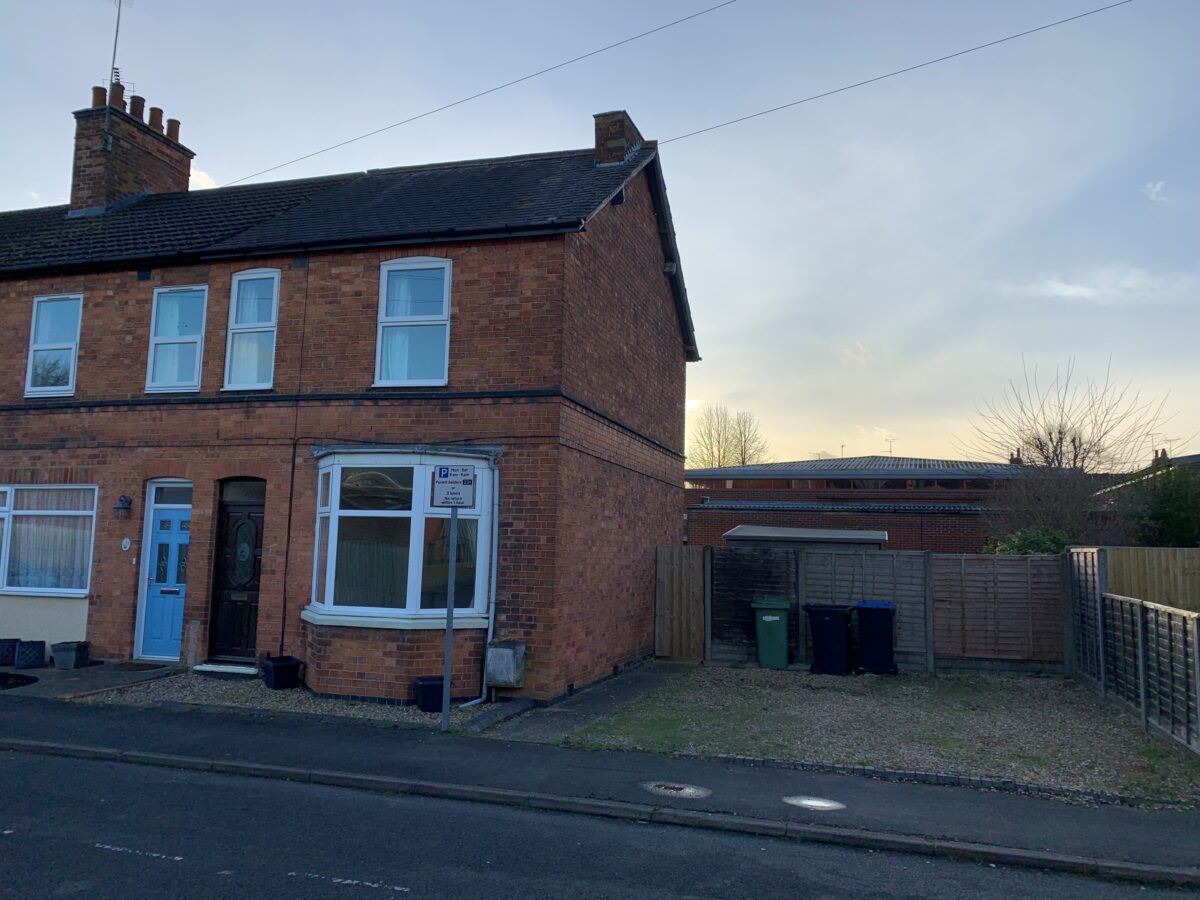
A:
30,655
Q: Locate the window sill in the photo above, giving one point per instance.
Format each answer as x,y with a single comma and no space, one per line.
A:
463,620
195,389
46,593
38,395
251,389
410,384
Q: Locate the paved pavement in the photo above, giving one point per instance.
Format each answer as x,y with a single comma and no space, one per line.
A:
105,830
1160,837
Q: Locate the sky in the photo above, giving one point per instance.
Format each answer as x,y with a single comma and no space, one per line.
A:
868,266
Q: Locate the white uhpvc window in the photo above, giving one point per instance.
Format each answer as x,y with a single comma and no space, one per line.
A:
253,316
53,346
413,339
46,538
382,550
177,338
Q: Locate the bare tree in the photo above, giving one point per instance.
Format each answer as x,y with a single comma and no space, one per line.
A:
1068,422
1075,436
721,438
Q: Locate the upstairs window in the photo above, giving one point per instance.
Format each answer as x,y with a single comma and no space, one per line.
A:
53,346
413,340
253,316
176,338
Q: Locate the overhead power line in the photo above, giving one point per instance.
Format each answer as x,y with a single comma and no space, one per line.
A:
930,62
492,90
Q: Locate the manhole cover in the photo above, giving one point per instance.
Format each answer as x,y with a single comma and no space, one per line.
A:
818,803
674,789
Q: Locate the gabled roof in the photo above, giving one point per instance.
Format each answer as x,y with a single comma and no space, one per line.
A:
864,467
484,198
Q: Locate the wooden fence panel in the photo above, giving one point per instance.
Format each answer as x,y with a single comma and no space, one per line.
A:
1166,575
679,606
998,607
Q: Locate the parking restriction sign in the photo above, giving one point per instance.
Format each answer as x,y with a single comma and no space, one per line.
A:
454,486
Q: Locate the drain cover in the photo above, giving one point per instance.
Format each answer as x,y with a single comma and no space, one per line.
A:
675,789
818,803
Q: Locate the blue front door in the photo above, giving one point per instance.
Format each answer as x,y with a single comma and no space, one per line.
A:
166,584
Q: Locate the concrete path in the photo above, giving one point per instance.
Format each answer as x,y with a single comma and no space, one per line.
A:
551,724
508,771
103,676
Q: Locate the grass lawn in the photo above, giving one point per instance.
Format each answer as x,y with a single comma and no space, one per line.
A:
1043,730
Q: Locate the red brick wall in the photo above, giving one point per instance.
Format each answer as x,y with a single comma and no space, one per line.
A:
623,345
505,320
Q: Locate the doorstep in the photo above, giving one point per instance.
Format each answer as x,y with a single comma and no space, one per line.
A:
235,669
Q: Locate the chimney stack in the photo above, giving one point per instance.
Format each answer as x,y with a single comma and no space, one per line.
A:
118,156
617,138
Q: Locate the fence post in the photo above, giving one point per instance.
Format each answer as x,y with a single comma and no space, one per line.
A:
1101,589
708,555
1068,615
801,618
930,659
1141,658
1196,673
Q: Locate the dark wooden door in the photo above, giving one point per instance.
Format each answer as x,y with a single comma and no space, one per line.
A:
235,590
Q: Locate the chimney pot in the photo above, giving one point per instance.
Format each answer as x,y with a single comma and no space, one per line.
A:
173,129
156,118
137,106
99,97
117,96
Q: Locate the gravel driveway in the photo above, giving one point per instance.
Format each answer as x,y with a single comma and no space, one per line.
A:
251,693
1042,730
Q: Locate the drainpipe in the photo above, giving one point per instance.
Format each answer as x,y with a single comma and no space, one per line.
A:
491,627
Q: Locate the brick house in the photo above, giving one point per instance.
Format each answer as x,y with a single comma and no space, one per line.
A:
922,504
220,410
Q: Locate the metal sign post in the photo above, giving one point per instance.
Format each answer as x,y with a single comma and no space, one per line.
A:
453,487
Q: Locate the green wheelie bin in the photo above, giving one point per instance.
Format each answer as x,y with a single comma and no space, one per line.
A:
771,631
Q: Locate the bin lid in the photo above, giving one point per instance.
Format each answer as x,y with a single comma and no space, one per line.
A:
876,604
829,607
770,603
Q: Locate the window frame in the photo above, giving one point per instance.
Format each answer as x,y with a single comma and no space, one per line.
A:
56,391
254,328
385,321
9,512
322,593
198,340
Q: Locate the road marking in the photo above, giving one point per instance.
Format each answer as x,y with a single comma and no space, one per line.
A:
675,789
817,803
147,853
350,882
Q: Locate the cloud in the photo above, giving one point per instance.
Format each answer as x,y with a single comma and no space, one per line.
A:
876,431
35,195
855,354
1155,191
1113,285
201,180
692,404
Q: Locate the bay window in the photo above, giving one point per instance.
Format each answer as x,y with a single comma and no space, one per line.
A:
382,549
46,539
413,337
